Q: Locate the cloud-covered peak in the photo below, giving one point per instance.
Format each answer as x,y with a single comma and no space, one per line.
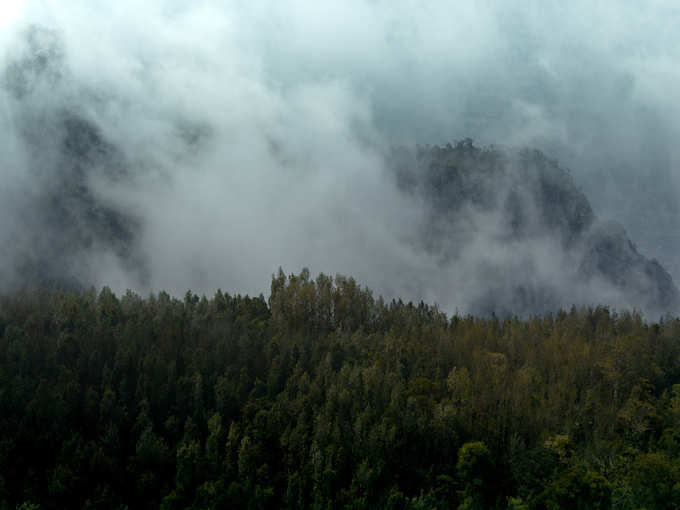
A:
228,139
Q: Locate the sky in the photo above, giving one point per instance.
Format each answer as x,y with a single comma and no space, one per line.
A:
249,135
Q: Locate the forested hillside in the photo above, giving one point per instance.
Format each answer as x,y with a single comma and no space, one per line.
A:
323,396
519,224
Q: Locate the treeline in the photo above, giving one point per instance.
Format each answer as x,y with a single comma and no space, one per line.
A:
325,397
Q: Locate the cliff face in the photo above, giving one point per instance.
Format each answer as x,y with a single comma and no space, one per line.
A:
63,155
610,255
537,243
69,218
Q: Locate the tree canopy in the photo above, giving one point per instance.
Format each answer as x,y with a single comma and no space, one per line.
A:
324,396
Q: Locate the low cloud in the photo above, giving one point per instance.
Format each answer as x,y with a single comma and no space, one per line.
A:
233,138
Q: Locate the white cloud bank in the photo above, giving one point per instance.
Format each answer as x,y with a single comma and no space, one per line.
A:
252,132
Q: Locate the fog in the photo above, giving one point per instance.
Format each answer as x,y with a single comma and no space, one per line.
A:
225,139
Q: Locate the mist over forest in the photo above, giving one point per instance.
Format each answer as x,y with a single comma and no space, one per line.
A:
485,157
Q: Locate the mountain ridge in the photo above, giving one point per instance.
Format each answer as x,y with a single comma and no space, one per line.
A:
508,197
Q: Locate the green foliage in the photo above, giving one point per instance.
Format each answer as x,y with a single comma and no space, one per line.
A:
655,481
475,469
325,397
577,489
474,463
29,506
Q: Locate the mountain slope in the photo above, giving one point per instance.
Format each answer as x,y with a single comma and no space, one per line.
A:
534,236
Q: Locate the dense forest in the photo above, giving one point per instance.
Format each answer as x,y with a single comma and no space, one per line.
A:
323,396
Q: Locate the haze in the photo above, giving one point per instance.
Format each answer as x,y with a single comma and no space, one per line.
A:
244,136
